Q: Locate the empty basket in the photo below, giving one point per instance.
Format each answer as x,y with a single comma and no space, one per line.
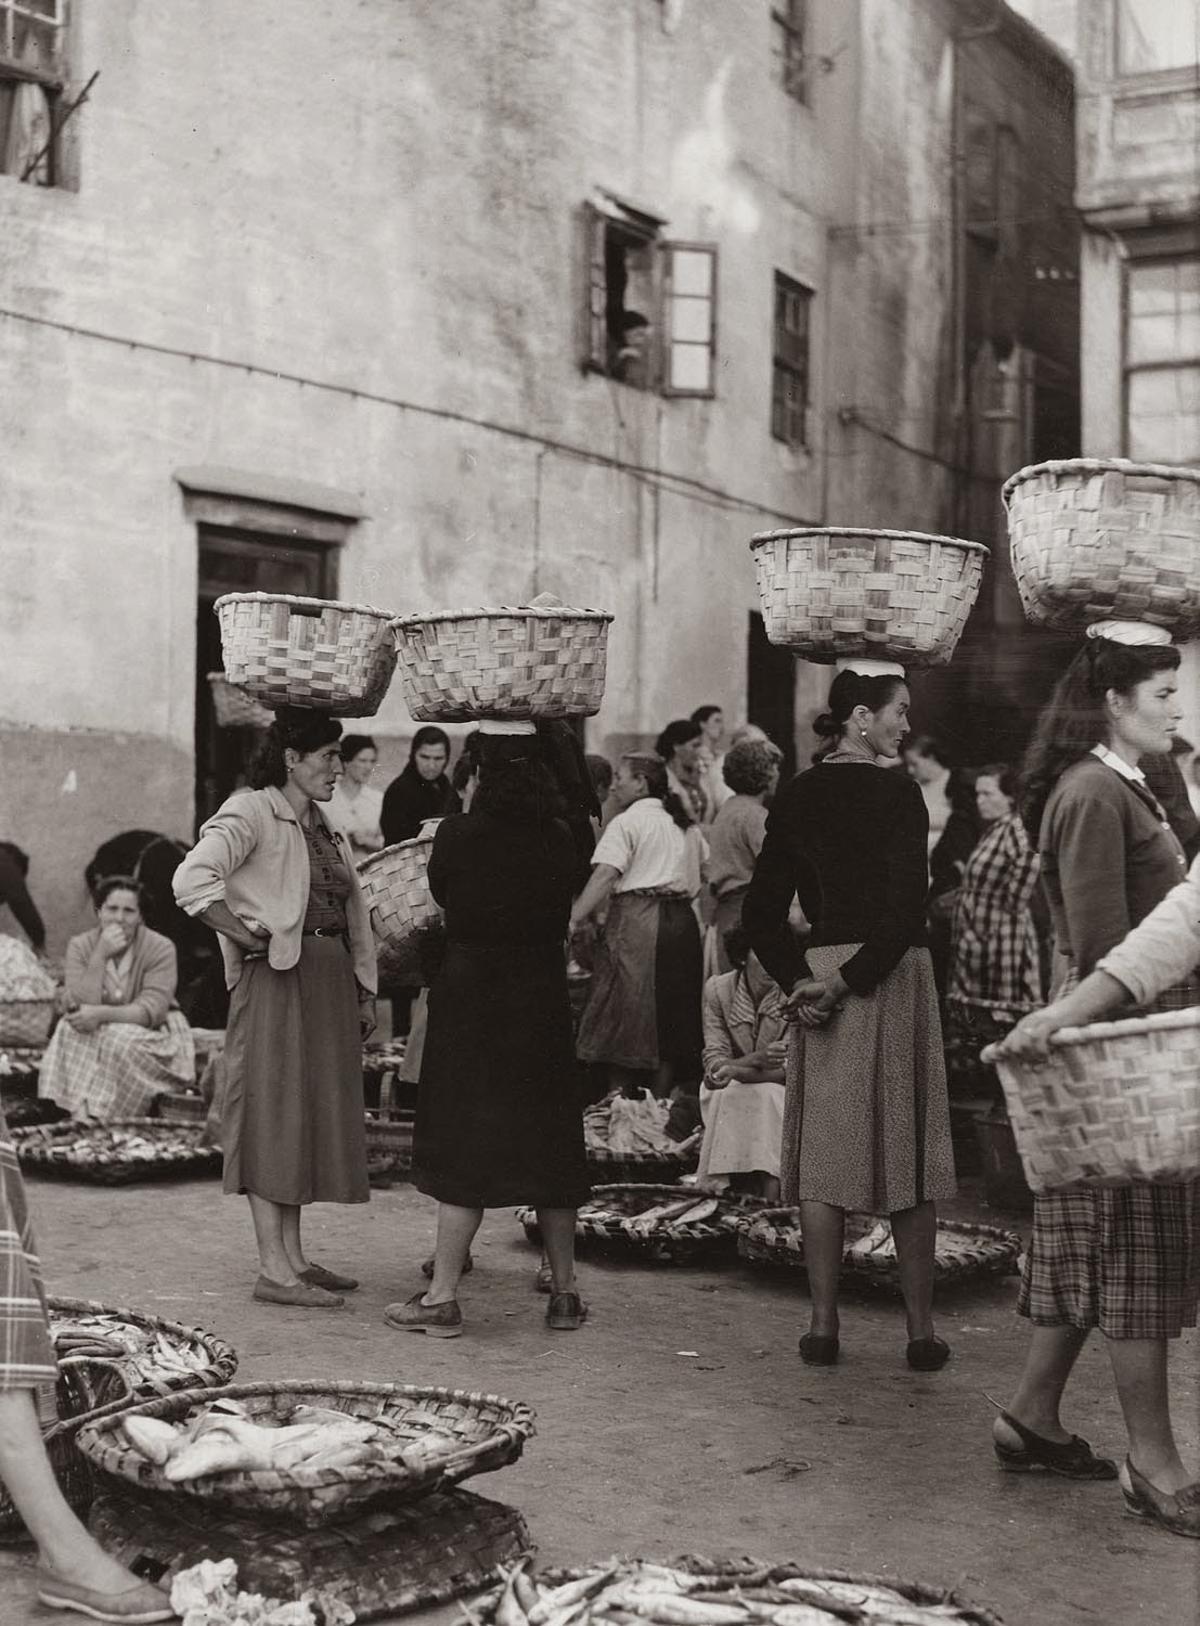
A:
529,660
395,883
834,591
1095,539
288,651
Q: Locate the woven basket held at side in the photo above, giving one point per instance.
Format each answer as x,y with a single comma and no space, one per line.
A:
395,883
26,1022
1117,1102
85,1389
233,707
155,1356
288,651
838,591
481,1432
773,1237
1095,539
518,661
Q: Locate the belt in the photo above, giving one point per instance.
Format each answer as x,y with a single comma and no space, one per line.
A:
328,931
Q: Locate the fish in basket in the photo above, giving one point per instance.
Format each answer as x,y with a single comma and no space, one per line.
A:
697,1591
116,1153
288,651
773,1237
669,1224
312,1453
1114,1103
625,1140
155,1356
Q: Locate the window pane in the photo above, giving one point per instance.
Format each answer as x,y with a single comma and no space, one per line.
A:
35,43
691,272
691,367
691,319
1157,34
1164,312
1164,415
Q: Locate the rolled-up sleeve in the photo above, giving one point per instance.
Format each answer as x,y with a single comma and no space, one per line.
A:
1164,948
226,841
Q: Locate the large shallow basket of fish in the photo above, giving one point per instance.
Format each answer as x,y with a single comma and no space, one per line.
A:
962,1252
313,1453
1116,1102
521,661
85,1389
115,1154
836,591
1093,539
288,651
395,884
156,1357
697,1591
669,1224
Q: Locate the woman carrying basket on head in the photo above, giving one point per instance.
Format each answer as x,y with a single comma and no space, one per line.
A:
1126,1260
866,1118
277,881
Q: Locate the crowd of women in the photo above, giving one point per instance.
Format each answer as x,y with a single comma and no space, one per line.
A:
816,1038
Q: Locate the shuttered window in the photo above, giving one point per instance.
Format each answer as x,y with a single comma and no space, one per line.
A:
31,82
789,383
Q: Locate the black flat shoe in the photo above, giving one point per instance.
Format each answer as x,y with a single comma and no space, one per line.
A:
927,1354
1036,1454
819,1350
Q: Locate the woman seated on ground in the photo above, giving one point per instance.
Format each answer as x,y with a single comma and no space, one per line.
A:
741,1099
122,1041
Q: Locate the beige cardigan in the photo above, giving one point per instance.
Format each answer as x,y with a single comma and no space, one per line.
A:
252,855
150,982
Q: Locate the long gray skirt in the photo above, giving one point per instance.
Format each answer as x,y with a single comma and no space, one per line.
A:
292,1124
866,1121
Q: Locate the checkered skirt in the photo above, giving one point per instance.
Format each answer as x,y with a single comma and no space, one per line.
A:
1126,1260
26,1354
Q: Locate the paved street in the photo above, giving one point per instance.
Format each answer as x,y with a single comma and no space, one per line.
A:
644,1449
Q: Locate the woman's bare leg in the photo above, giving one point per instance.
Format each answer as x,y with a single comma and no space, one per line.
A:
1049,1362
557,1226
273,1260
823,1228
290,1231
1140,1369
456,1230
915,1231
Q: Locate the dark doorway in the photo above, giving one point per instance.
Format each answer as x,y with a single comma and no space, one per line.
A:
240,562
771,691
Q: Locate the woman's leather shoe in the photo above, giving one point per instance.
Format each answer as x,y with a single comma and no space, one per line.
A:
818,1349
1073,1460
927,1354
301,1294
138,1605
318,1276
436,1320
1177,1511
566,1312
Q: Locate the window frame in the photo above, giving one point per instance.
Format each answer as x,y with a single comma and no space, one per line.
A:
783,285
667,249
1152,254
52,83
1183,73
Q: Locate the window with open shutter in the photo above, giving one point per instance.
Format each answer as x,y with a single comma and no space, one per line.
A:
689,318
31,82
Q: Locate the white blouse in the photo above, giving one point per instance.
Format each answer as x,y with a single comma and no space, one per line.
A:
648,848
358,819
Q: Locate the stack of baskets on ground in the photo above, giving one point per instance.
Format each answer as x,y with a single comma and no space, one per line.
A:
288,651
395,884
1094,539
833,592
774,1237
521,662
1116,1102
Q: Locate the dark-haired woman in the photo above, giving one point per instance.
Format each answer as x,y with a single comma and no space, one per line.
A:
421,790
277,882
680,745
642,1018
356,807
122,1041
867,1122
498,1122
1125,1260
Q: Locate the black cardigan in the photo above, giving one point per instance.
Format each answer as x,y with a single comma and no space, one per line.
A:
849,839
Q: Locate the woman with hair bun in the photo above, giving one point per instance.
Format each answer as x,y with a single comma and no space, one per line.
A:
1127,1259
867,1119
276,880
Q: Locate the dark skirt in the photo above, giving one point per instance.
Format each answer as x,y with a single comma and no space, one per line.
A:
292,1123
499,1120
644,1003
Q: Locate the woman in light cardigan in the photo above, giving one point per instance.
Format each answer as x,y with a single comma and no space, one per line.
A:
277,881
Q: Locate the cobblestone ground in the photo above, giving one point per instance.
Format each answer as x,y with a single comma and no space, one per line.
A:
680,1419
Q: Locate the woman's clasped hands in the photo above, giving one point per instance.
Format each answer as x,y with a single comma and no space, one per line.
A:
811,1003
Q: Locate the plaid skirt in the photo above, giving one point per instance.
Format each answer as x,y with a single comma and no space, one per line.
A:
1124,1259
26,1353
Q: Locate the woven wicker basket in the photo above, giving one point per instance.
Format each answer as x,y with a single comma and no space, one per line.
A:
840,591
78,1150
391,1560
389,1132
490,1431
1094,539
607,1214
288,651
1117,1102
395,883
522,661
86,1389
773,1237
146,1367
233,707
26,1022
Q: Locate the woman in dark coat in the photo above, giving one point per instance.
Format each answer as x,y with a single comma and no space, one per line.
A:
421,790
498,1121
866,1118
